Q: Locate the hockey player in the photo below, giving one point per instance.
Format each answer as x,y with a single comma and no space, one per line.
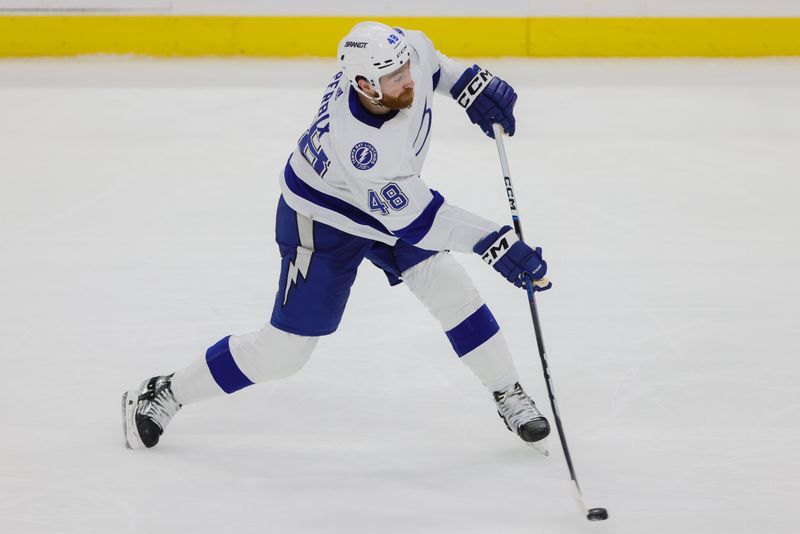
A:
351,190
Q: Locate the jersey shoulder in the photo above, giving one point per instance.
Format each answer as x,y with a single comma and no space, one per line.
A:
424,47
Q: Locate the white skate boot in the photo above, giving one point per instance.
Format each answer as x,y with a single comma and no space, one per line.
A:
520,415
146,411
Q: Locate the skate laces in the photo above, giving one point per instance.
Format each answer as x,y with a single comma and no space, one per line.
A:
516,406
157,401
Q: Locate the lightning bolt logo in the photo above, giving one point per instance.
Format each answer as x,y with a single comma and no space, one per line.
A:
363,156
297,268
302,261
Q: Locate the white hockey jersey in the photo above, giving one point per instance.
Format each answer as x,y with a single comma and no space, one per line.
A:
360,172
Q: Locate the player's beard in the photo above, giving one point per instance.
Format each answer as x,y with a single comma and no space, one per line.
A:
401,101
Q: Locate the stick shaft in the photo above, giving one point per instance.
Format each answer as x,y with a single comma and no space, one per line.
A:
537,328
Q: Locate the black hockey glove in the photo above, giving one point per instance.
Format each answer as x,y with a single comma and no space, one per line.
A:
487,99
512,258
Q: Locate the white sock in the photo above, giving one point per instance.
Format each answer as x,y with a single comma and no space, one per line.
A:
194,383
444,287
267,354
492,363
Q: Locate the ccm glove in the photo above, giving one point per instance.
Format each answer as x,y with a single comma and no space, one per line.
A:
512,258
487,99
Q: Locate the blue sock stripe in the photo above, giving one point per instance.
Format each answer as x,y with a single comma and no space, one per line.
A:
224,369
473,331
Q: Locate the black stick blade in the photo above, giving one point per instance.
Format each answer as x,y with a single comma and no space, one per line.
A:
597,514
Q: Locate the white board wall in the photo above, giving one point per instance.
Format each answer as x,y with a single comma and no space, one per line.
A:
485,8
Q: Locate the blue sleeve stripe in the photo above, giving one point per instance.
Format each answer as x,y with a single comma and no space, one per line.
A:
305,191
436,76
419,228
473,331
224,369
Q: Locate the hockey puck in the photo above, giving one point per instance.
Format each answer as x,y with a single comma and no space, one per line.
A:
597,514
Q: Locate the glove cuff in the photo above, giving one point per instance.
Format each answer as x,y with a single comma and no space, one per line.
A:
495,245
471,84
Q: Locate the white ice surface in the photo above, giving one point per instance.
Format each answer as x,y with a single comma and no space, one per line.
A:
136,228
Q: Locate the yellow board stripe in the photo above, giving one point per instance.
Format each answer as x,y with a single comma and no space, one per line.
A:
662,37
26,36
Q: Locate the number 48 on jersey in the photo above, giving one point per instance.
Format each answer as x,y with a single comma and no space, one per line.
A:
391,197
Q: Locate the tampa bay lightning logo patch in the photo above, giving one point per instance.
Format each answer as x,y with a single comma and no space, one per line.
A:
363,156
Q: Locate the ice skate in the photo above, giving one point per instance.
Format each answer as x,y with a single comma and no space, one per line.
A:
520,415
147,411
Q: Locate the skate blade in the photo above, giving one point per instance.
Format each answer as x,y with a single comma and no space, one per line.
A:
129,430
539,446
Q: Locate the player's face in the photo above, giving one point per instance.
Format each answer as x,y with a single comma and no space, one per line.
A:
398,88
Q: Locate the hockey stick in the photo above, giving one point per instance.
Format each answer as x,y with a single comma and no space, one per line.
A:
593,514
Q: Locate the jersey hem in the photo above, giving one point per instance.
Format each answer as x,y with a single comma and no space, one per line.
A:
300,331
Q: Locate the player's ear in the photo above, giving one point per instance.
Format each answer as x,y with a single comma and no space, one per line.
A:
365,86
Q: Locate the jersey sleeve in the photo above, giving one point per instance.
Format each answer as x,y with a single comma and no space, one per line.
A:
419,215
450,71
456,229
446,70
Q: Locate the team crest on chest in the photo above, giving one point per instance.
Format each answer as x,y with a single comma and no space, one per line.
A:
363,156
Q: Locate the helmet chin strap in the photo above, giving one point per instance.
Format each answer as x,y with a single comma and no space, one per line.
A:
374,99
